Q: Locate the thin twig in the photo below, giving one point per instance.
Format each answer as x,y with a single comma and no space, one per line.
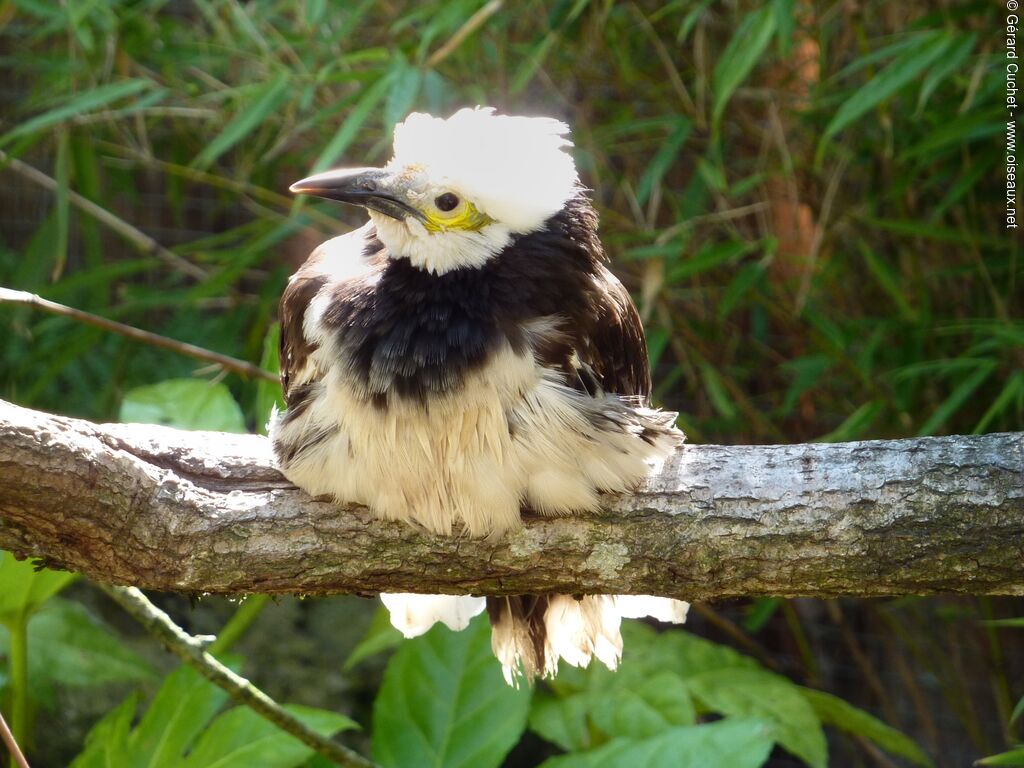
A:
128,231
473,23
12,746
190,650
233,364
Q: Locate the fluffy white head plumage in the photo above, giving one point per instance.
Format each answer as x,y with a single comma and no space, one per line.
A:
514,169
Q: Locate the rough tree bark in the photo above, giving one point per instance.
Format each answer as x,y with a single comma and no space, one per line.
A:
207,512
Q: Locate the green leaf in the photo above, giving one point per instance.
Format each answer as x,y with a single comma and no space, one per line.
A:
107,741
443,702
743,52
346,133
1013,757
1017,711
644,707
957,398
247,119
562,720
956,56
380,637
663,159
711,256
87,101
746,278
240,738
185,404
763,694
716,391
854,425
67,645
734,743
181,709
888,281
834,711
907,66
405,82
24,589
1014,388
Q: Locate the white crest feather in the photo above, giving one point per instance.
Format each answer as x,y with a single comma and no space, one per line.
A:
514,169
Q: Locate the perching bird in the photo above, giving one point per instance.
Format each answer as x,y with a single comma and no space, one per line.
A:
466,354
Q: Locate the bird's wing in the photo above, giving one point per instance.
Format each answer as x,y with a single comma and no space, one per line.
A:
600,347
333,263
617,349
295,349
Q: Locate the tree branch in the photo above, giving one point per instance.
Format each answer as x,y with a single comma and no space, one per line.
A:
202,512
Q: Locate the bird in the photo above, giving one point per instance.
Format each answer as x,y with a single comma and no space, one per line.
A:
467,354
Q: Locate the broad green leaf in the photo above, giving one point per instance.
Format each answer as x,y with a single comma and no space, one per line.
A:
648,689
67,645
762,694
646,651
23,589
739,57
562,720
240,738
905,68
443,702
736,743
644,707
246,120
834,711
87,101
107,741
184,403
380,637
181,709
348,130
1013,757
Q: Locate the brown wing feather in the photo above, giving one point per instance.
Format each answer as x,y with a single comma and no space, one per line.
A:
615,347
295,348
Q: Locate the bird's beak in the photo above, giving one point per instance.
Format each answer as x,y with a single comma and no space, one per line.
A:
371,188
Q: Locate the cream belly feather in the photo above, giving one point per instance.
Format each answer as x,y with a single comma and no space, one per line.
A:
511,436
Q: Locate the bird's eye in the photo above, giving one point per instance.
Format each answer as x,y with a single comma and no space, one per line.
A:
446,202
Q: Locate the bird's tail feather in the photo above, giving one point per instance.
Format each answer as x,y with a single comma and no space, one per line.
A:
530,633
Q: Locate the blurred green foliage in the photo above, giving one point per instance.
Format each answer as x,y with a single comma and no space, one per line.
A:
802,196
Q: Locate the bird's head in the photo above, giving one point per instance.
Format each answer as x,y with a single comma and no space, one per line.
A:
459,189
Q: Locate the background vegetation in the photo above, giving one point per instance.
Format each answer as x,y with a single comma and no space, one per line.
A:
805,198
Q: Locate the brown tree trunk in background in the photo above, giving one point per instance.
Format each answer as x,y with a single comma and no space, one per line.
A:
207,512
793,220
